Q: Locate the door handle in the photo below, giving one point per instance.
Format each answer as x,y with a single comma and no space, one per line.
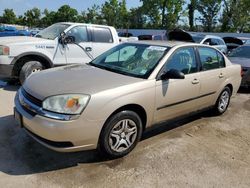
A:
195,81
221,75
88,49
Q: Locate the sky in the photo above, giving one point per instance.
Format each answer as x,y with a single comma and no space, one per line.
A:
20,6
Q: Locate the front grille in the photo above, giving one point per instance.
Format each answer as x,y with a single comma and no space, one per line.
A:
31,98
51,143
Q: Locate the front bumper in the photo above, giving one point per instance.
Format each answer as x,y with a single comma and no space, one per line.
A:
63,136
6,71
6,67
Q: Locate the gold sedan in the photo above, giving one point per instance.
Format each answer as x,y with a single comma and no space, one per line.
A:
109,102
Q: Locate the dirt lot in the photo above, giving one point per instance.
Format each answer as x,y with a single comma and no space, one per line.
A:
202,151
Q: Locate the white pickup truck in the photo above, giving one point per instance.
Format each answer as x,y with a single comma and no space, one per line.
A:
57,45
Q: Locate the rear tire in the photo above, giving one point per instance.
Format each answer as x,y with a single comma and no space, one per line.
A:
223,101
29,68
120,134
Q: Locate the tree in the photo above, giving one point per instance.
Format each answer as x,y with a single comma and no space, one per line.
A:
66,14
191,8
136,18
163,13
209,10
32,17
48,19
93,15
9,16
110,11
236,15
122,15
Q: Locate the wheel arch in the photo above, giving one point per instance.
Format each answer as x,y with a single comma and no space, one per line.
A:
20,60
230,86
135,108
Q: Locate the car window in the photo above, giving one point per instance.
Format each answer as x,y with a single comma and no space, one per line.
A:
183,60
214,42
221,60
80,34
220,42
207,41
242,51
102,35
209,58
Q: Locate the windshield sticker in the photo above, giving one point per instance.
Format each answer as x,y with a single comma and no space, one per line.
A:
158,48
143,71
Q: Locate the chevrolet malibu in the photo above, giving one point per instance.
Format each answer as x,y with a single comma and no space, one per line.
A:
108,103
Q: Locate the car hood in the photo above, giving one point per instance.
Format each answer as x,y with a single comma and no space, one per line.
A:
244,62
20,40
84,79
180,35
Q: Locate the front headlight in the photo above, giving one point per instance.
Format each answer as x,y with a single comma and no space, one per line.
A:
72,104
4,50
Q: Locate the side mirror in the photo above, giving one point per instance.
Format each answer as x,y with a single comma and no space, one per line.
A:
65,39
206,43
172,74
70,39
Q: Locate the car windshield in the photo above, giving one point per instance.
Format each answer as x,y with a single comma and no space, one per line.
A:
137,60
52,31
242,51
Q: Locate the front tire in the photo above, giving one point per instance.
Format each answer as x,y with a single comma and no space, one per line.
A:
29,68
120,134
223,101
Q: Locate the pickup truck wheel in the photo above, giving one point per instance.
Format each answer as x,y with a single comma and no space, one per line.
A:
222,101
120,134
29,68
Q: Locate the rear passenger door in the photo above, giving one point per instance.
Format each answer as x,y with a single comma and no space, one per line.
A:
102,40
212,74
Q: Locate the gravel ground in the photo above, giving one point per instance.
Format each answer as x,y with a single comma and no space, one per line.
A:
200,151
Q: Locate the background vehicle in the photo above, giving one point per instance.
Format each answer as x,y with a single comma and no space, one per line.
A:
234,42
212,40
241,56
34,31
6,31
109,102
21,56
152,37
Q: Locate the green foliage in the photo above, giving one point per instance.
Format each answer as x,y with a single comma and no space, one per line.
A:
9,16
236,16
136,18
209,10
66,14
163,14
32,17
155,14
192,6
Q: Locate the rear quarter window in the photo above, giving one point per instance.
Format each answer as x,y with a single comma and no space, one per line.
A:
102,35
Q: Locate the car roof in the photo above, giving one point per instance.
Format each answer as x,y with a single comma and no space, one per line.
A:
86,24
162,43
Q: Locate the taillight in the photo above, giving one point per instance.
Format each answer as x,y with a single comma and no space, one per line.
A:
241,72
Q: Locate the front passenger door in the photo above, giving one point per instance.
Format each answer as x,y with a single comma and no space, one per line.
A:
82,53
175,97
